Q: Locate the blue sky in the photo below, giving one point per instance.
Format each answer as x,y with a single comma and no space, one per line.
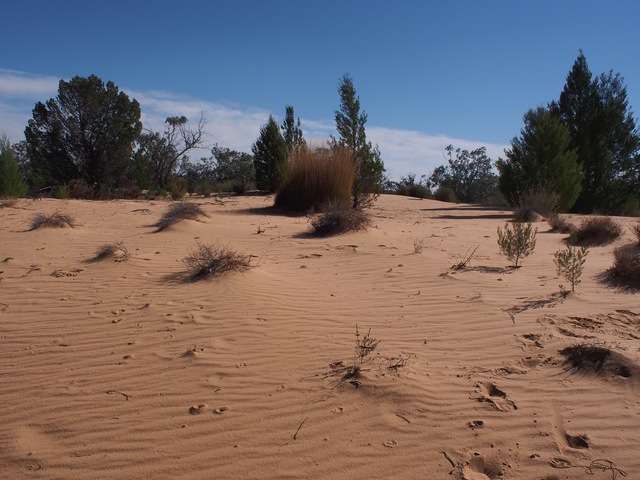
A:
428,73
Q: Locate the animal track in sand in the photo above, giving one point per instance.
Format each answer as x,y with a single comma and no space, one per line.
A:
489,393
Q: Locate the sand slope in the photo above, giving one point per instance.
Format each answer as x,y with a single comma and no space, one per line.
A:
112,370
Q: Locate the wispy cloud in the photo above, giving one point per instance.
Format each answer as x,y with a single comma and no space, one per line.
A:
403,151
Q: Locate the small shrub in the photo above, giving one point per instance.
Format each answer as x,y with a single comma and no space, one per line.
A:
543,202
79,188
61,192
595,231
55,220
626,265
316,178
526,215
177,188
446,194
177,212
210,260
560,225
570,263
517,241
365,345
116,251
338,220
408,186
636,231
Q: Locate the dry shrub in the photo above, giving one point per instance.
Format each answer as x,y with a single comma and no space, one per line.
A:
418,245
464,260
560,225
338,220
542,202
517,241
365,345
626,266
317,177
116,251
526,215
177,212
446,194
636,231
595,231
599,361
55,220
570,263
211,260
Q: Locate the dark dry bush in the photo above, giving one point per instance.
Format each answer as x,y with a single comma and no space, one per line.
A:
526,215
340,220
560,225
117,251
595,231
211,260
636,231
626,266
177,212
55,220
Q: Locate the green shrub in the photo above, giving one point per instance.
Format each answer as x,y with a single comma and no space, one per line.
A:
61,192
11,183
570,263
517,241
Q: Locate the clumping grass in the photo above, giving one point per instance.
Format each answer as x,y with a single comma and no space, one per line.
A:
560,225
55,220
211,260
526,215
595,231
178,212
340,220
317,177
116,251
626,266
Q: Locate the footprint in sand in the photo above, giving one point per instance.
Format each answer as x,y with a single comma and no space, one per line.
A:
489,393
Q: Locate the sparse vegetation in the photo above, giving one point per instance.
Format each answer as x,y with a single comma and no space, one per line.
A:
560,225
595,231
210,260
365,345
464,260
316,178
54,220
570,263
116,251
526,215
517,241
626,266
418,246
177,212
337,220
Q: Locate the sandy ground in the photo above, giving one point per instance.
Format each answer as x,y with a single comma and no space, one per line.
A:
113,371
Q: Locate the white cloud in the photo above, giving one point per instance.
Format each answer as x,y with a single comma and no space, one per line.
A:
403,151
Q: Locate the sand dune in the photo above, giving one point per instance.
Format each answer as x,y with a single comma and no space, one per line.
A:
111,370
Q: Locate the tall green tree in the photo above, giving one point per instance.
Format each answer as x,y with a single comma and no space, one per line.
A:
86,132
603,132
291,130
541,159
270,157
350,125
11,182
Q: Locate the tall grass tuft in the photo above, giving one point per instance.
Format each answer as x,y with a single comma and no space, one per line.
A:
316,178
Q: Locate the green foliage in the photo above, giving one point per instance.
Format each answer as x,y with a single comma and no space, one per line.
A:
541,159
469,174
570,263
409,187
603,132
445,194
11,182
86,132
61,192
350,125
270,157
517,241
291,130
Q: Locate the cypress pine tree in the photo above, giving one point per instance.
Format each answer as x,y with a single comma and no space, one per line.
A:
604,135
350,124
541,159
270,157
291,130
